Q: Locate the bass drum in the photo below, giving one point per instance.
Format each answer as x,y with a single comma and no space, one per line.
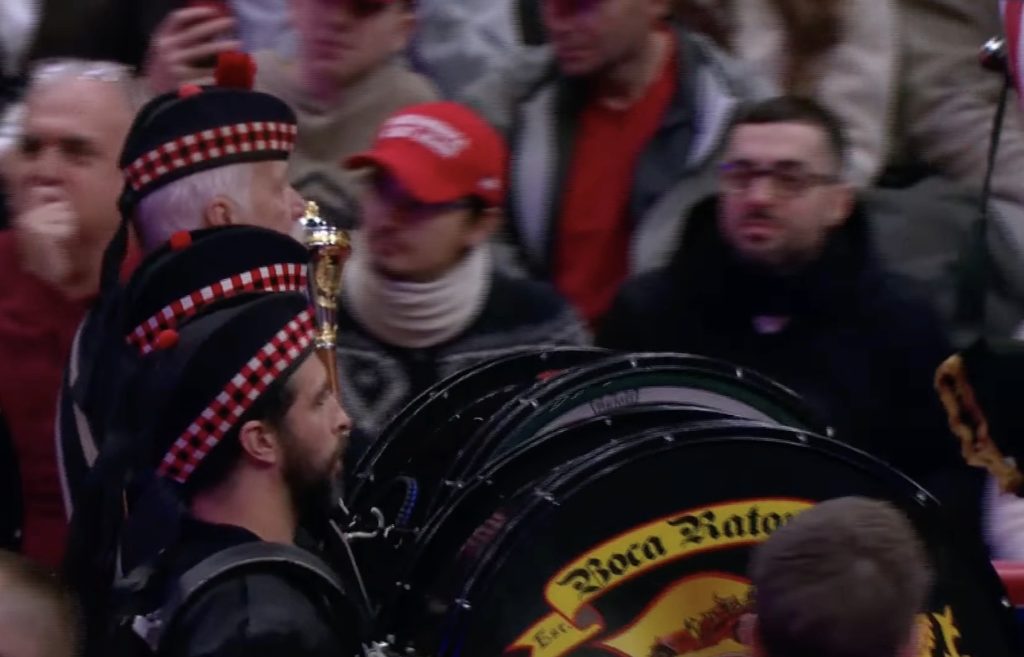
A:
448,530
619,381
641,549
424,438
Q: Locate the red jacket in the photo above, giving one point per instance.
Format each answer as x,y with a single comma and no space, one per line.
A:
37,326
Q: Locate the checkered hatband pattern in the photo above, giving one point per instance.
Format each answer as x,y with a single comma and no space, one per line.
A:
223,142
282,277
240,393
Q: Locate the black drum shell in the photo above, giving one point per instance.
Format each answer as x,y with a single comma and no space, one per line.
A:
493,592
447,530
425,436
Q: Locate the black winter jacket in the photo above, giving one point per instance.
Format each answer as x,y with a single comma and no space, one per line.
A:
253,613
859,346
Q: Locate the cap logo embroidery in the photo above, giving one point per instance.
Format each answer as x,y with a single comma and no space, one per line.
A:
436,136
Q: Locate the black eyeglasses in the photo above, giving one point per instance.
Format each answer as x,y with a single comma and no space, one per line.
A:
787,181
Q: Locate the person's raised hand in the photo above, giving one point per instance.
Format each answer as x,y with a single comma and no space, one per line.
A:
185,46
45,233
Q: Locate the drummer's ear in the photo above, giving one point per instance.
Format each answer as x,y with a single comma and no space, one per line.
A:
221,211
260,444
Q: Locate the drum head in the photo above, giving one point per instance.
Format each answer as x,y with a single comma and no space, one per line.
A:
453,524
428,433
593,389
641,549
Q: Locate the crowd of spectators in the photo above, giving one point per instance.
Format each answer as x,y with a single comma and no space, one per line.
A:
795,186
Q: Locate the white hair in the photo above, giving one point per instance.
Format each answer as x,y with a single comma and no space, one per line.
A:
50,71
182,204
11,127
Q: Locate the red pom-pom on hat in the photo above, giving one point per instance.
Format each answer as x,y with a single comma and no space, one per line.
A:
166,339
189,90
181,240
235,70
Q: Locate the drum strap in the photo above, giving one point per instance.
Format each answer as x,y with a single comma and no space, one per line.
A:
256,555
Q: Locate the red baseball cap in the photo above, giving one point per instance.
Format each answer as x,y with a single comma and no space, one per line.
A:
440,152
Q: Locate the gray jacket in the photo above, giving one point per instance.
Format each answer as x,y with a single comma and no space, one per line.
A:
537,110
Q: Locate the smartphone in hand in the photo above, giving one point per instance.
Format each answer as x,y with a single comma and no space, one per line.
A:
224,11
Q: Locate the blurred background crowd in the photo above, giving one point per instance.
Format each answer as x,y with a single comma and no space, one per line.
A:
797,186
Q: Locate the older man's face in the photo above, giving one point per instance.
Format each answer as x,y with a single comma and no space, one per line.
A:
73,133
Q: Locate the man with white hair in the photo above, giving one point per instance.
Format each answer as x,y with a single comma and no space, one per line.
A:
200,157
251,193
64,182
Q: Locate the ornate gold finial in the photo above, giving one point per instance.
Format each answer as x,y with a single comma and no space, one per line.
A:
328,249
311,215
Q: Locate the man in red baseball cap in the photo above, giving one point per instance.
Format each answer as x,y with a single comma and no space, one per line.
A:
421,298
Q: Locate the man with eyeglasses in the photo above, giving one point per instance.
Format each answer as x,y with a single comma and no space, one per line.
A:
778,274
614,132
421,299
65,184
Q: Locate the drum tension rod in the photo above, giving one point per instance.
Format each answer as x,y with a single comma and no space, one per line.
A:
382,528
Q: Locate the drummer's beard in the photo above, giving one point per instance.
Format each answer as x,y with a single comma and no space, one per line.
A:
314,487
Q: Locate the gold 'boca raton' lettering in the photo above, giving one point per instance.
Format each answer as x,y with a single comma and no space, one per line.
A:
699,527
725,525
597,573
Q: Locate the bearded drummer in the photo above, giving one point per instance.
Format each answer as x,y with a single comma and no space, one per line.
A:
245,430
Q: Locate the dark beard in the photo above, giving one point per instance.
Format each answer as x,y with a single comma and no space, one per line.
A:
312,487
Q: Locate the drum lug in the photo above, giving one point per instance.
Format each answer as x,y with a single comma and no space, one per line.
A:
457,485
547,497
463,604
386,649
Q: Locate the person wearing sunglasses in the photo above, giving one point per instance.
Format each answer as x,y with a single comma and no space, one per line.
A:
420,296
779,274
614,131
